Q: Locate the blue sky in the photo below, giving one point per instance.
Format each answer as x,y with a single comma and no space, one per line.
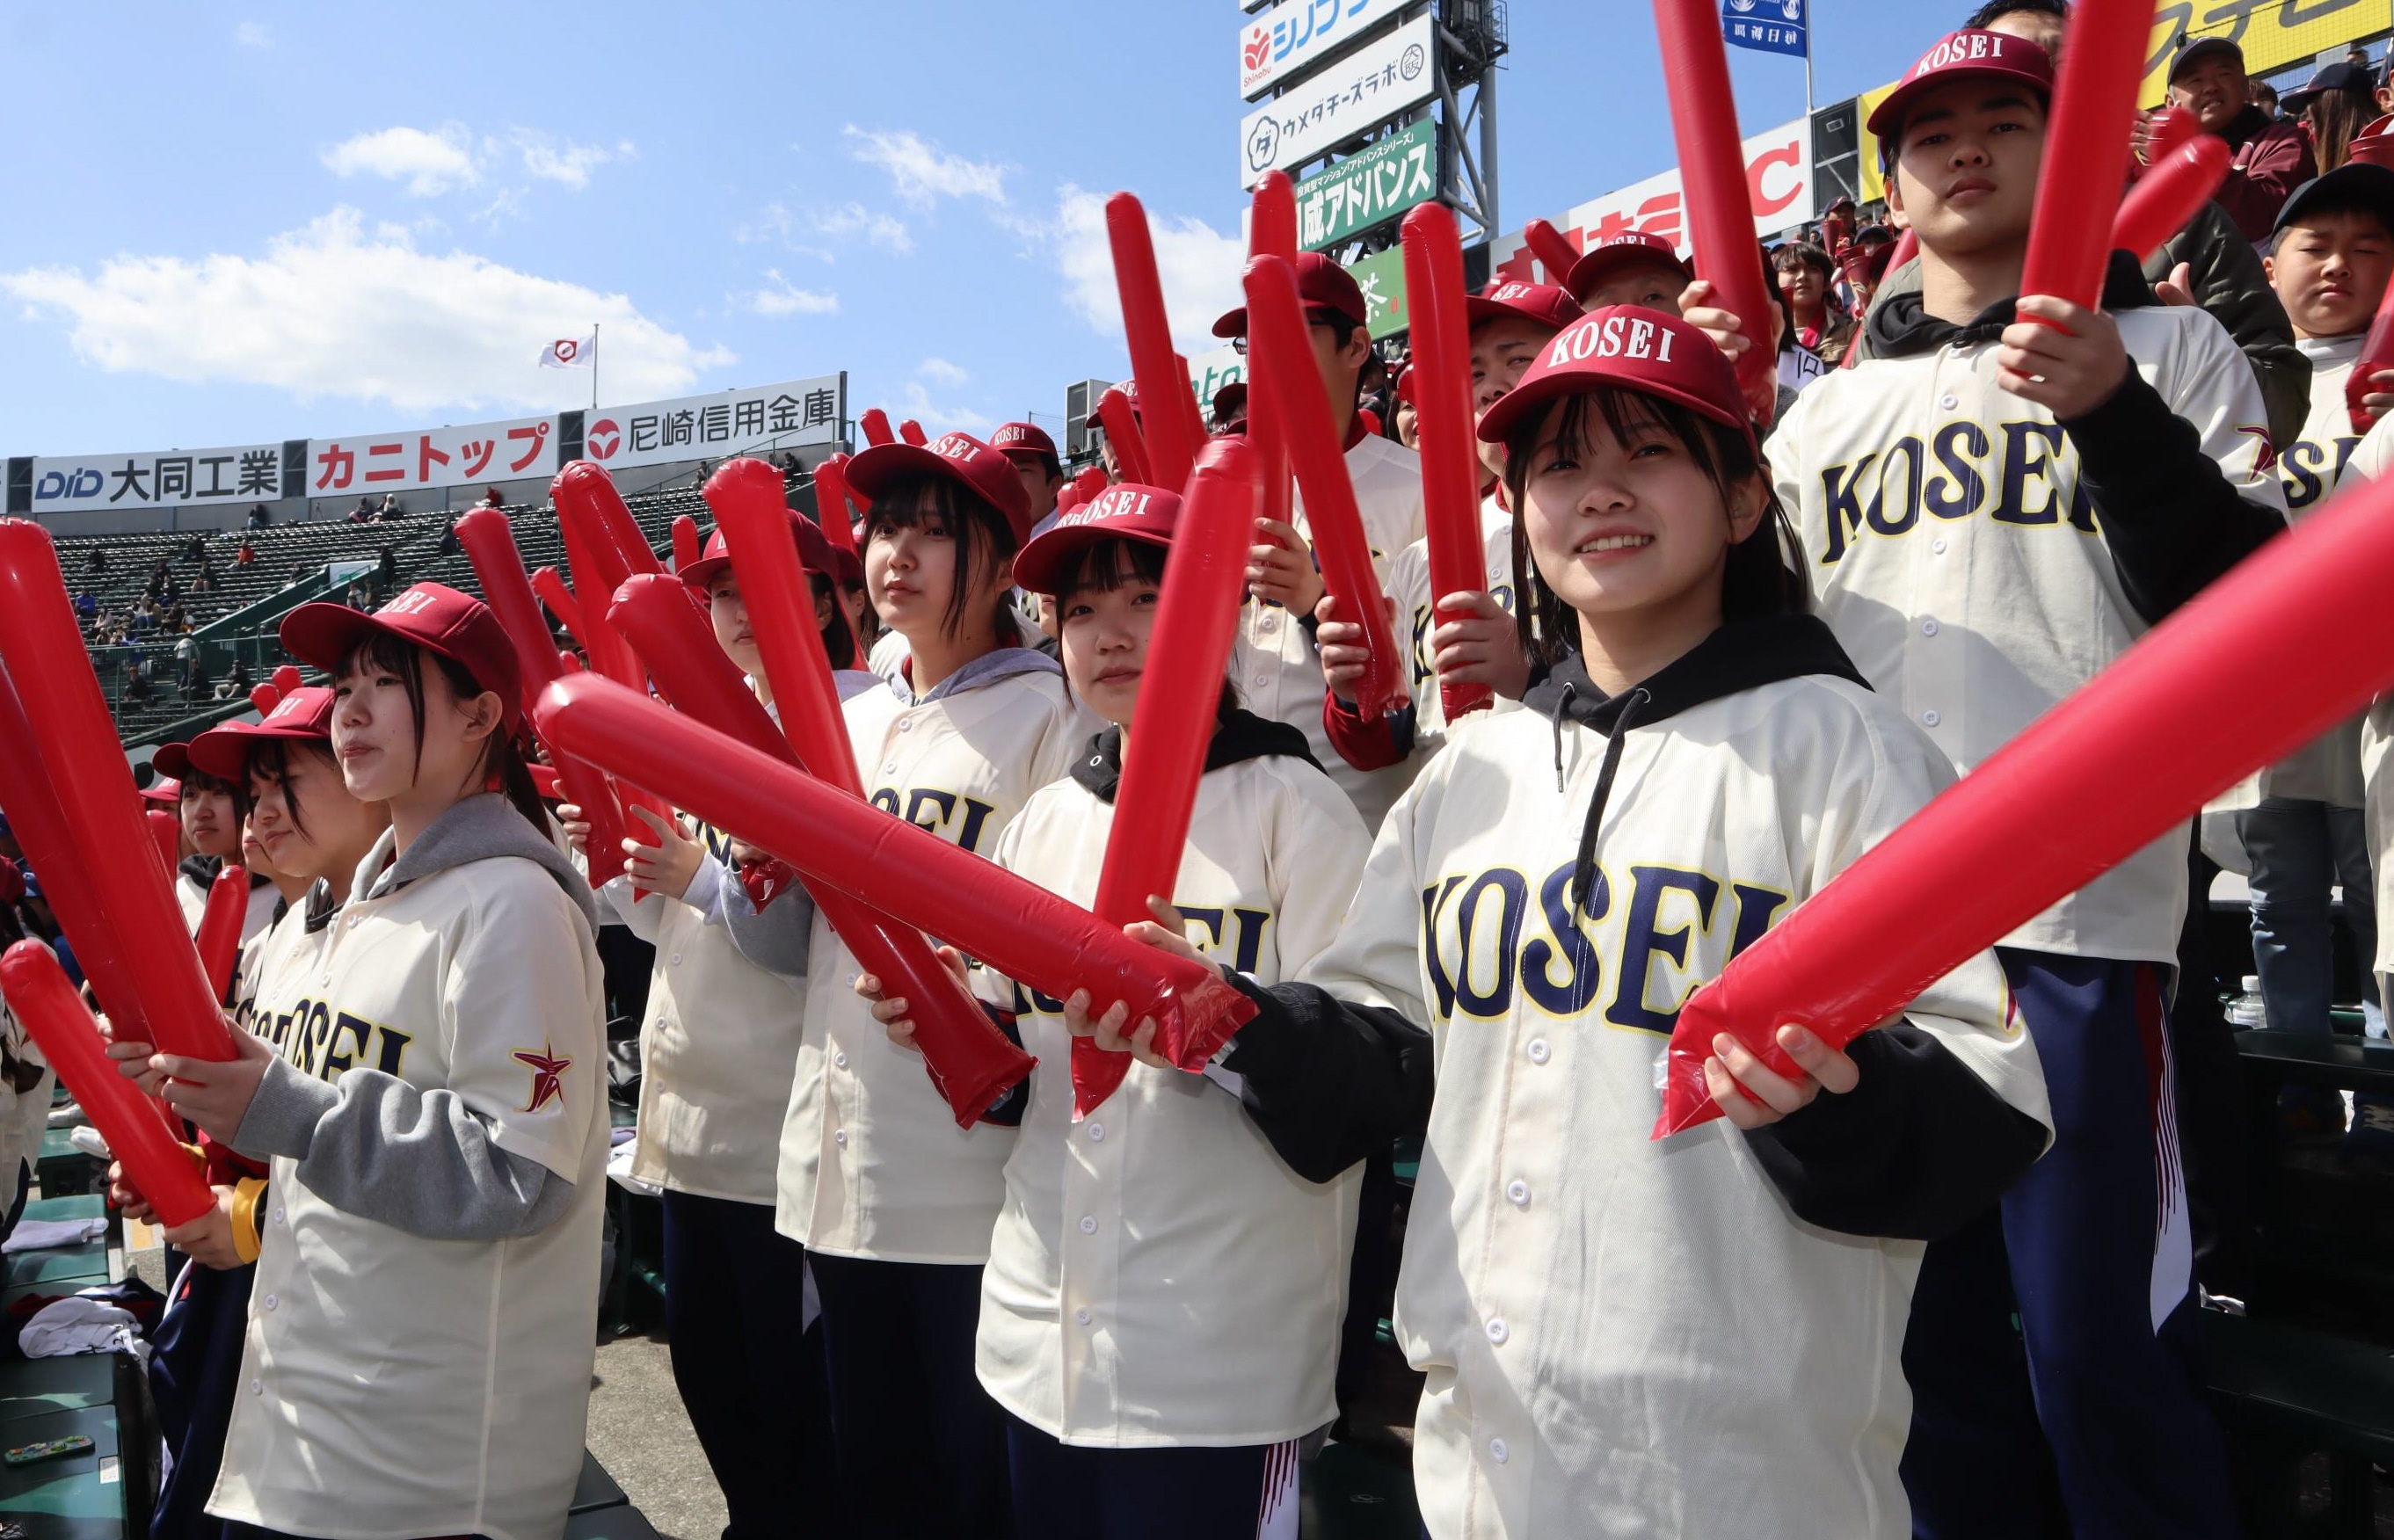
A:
232,225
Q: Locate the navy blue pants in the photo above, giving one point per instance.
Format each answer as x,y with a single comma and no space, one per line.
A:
920,1446
2084,1418
194,1369
732,1285
1062,1492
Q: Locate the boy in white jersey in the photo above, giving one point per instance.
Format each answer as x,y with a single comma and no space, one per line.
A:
1993,508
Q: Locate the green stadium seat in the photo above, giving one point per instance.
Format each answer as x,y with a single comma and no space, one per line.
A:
2312,1058
36,1386
62,1270
2282,1393
80,1497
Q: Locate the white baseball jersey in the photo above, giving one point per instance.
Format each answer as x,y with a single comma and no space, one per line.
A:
871,1162
262,958
1409,586
716,1046
1609,1322
192,898
393,1385
2370,462
1954,553
1274,664
1159,1277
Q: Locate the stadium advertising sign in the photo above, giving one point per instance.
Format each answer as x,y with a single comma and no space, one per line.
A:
1371,186
376,462
731,421
1779,181
1354,95
1381,276
174,477
1297,34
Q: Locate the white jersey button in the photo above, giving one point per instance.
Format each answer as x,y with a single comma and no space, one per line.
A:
1930,717
1496,1330
277,1216
677,957
270,1302
1928,626
1949,402
1081,1316
1519,1191
840,1137
1268,625
1096,1133
1089,1224
889,767
1538,1050
840,1060
1257,681
256,1388
906,726
1938,544
1497,1451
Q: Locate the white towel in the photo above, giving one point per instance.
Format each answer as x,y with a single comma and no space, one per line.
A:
78,1326
49,1234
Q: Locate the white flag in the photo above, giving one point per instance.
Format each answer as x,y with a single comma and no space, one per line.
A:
571,354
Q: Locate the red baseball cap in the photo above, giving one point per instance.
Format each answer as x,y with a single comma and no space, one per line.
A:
959,457
431,616
1625,347
1509,300
173,761
1964,56
1023,438
1322,284
163,787
814,550
223,750
1596,263
1124,511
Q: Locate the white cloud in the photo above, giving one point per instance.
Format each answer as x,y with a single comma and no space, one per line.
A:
430,163
917,403
851,220
333,310
921,172
785,299
1199,267
564,162
941,372
252,34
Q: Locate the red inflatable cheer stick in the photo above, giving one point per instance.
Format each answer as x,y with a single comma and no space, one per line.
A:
490,544
1450,446
1195,623
41,647
2376,356
219,934
969,1062
1123,431
1016,927
550,587
831,503
911,432
1068,498
685,544
2094,107
1171,452
286,679
2169,194
1551,248
2300,635
1720,210
166,835
2168,128
875,424
263,696
1091,481
582,491
1272,233
1276,324
154,1161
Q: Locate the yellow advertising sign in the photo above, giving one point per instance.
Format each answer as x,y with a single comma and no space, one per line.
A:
2273,34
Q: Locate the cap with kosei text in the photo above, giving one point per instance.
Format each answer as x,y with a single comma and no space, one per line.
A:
431,616
958,457
1609,256
223,750
1964,56
1624,347
1322,284
1124,511
1544,304
1023,438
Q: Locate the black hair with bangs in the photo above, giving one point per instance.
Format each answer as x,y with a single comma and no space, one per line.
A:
839,642
980,531
197,780
502,760
1758,579
1110,564
270,759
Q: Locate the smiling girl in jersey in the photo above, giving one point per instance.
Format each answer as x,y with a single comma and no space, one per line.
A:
422,1333
892,1201
1611,1325
1160,1313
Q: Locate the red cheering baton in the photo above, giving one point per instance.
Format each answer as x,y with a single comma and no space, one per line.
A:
287,678
1719,208
1551,248
1015,926
155,1163
2300,635
584,491
2376,356
1120,423
1196,620
1163,384
166,838
219,938
1450,444
1272,233
2170,192
875,424
968,1059
263,697
2094,108
685,544
911,432
41,645
1276,327
832,504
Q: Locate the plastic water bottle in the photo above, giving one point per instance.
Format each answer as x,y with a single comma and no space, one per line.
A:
2247,1009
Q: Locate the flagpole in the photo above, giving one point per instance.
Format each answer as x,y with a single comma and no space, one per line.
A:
594,325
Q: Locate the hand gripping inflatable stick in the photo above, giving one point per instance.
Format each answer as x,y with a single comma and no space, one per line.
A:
1196,620
2300,636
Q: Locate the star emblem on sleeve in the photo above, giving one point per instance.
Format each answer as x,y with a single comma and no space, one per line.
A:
548,1070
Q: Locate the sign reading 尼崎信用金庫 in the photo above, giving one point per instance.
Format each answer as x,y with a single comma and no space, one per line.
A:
1371,187
757,418
1297,34
1349,97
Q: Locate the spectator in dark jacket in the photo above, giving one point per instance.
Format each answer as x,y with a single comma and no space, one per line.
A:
2338,103
2207,78
258,517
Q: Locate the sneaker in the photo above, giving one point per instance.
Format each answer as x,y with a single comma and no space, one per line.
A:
2370,1144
